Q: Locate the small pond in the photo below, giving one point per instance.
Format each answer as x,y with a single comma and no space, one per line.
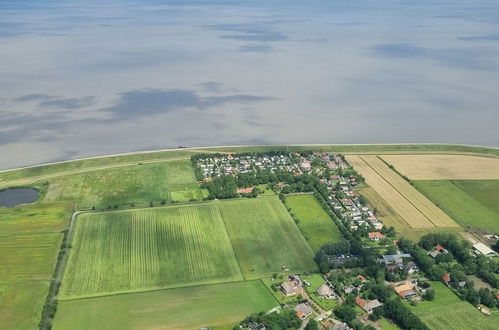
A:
17,196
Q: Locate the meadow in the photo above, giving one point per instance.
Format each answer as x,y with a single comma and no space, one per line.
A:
316,225
445,167
30,237
447,311
416,210
137,250
218,305
127,185
265,237
471,202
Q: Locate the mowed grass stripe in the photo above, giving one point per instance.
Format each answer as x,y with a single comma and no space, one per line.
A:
406,210
163,247
430,210
265,238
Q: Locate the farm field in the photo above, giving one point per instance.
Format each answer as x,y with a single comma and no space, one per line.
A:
137,250
445,167
389,217
218,305
472,203
316,225
265,237
416,210
30,237
136,184
447,311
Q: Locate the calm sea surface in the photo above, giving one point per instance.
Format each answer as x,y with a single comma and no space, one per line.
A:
83,78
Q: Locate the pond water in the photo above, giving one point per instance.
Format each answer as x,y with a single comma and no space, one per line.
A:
17,196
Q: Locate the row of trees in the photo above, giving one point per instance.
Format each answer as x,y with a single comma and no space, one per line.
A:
286,319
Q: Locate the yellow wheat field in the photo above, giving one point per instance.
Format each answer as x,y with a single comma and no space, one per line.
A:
416,210
444,167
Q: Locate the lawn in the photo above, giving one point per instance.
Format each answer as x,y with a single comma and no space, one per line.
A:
30,238
219,305
137,250
447,311
387,325
470,202
315,280
123,186
265,237
316,225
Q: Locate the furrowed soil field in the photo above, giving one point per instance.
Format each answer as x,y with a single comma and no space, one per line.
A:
265,237
316,225
447,311
30,237
471,202
123,186
146,249
218,305
445,167
416,210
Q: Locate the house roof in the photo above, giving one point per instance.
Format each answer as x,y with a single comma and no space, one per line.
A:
304,309
439,248
372,305
376,234
446,277
324,290
245,190
359,301
406,293
404,287
288,287
484,249
361,278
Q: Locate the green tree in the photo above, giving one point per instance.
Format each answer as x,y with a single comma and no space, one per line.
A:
312,325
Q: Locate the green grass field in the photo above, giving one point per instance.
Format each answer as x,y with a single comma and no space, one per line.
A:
148,249
387,325
218,305
447,311
30,237
123,186
265,238
470,202
315,224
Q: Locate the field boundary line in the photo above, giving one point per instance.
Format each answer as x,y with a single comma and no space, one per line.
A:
269,291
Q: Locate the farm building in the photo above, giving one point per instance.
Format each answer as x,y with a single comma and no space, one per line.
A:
483,249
